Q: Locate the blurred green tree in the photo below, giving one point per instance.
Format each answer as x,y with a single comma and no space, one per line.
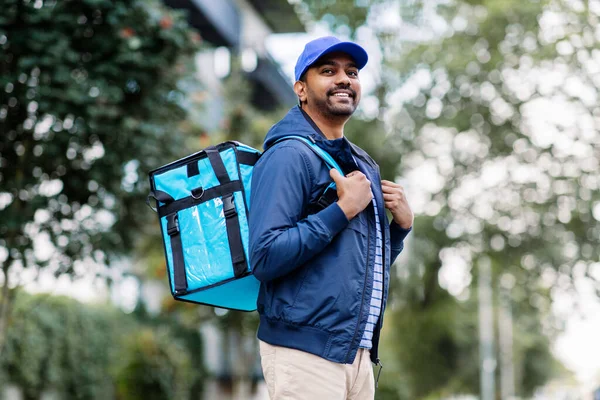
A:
89,97
465,89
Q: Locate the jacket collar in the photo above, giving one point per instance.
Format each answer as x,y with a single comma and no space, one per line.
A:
298,122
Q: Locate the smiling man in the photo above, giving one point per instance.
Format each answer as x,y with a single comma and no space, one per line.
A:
323,263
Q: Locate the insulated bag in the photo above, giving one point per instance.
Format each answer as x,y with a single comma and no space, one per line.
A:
203,203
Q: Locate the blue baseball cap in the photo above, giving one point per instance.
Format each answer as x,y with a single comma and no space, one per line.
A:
328,44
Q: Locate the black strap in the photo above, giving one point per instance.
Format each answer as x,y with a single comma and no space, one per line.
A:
247,158
217,165
193,169
177,252
208,194
328,197
163,197
236,247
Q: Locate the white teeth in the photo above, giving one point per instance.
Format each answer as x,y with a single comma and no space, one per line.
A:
342,95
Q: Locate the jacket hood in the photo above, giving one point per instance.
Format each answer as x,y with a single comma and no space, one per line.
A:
294,123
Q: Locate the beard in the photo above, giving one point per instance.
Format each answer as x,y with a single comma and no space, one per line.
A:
330,106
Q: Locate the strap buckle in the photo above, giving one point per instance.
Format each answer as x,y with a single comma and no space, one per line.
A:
229,206
172,224
328,197
323,202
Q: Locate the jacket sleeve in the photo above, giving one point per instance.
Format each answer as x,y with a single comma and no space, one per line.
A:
280,241
397,235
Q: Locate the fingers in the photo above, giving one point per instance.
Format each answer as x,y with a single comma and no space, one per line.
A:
391,184
389,205
391,197
392,190
335,175
357,175
350,175
393,200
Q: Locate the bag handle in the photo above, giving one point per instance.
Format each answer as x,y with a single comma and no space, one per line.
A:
159,197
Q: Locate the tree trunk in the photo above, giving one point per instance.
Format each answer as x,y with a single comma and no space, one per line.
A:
5,305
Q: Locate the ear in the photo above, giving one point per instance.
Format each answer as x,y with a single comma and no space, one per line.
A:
300,89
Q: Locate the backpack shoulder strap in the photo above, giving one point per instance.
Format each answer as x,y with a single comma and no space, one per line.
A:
329,195
331,163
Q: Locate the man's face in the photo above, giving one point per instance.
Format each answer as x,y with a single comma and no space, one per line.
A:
332,86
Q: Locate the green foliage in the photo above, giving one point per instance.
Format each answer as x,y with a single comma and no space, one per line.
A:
55,342
484,95
97,352
89,101
154,366
343,17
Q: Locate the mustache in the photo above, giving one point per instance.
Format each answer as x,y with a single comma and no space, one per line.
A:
346,88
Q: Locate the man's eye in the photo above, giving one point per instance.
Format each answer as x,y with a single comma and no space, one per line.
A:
327,71
353,73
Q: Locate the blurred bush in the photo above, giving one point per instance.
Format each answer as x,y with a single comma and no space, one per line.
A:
96,352
153,366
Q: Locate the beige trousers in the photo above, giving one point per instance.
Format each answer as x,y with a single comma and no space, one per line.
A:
292,374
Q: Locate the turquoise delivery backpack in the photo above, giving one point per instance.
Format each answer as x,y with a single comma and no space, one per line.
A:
203,203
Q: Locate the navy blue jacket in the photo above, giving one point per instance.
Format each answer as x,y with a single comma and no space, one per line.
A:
316,270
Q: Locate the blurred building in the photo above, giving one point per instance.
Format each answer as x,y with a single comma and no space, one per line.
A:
236,31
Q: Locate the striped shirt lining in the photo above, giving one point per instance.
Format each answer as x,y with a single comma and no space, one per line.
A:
377,293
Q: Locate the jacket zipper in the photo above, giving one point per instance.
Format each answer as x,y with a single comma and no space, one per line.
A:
362,301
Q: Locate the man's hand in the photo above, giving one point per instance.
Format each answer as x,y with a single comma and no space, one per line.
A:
354,192
395,201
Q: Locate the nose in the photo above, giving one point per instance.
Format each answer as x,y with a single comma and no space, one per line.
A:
342,78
